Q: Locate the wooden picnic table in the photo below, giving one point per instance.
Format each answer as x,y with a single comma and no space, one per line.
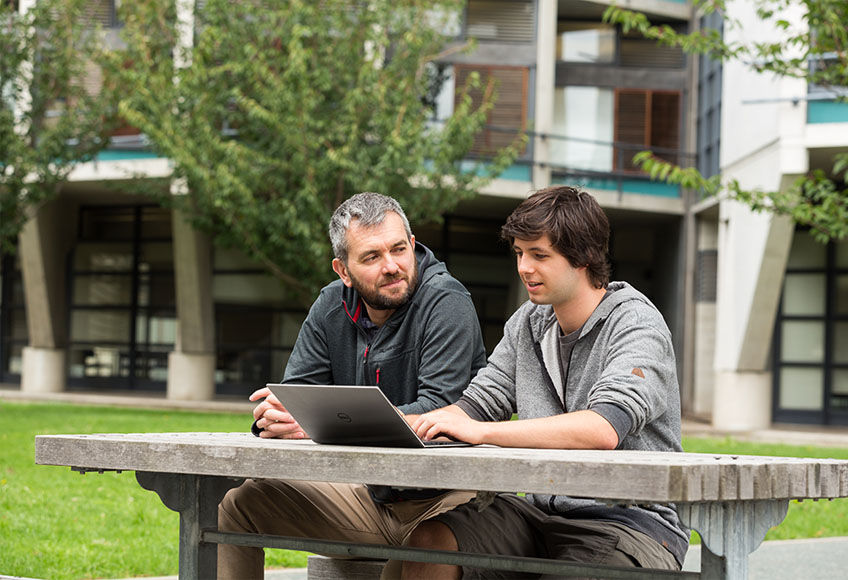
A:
730,500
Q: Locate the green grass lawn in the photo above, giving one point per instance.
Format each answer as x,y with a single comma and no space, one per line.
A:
58,524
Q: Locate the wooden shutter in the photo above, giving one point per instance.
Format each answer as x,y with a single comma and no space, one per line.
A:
511,21
665,124
100,12
645,119
508,116
631,108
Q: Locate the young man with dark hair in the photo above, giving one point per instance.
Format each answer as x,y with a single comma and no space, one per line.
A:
396,319
586,364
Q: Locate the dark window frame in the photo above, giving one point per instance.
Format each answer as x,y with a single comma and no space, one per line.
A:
829,414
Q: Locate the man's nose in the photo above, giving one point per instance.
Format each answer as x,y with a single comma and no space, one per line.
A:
525,265
390,266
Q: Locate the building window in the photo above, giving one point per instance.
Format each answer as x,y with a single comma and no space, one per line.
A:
476,256
811,335
101,13
122,313
501,20
255,327
14,335
583,129
597,43
638,51
599,130
709,104
508,117
646,119
585,42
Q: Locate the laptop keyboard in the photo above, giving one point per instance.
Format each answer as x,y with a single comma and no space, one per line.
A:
448,442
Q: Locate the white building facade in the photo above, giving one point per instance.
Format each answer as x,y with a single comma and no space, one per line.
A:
110,292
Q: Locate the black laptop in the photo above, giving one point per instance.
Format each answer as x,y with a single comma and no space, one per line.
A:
350,415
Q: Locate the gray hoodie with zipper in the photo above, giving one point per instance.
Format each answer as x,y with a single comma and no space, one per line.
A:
622,366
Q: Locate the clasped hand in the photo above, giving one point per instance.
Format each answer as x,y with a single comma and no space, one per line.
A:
271,416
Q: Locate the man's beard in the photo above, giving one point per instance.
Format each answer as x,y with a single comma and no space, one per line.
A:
372,297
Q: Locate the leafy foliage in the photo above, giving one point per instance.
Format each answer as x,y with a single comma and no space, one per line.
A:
290,107
49,119
814,51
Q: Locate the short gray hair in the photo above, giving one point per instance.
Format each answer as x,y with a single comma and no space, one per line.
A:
370,209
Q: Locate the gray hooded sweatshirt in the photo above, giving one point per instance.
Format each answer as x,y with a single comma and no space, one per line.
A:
622,366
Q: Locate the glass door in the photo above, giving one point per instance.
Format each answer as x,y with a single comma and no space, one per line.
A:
811,335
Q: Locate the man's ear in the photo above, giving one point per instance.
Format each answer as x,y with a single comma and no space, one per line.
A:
412,240
340,269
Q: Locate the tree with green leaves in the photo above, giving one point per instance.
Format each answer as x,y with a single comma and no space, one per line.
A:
278,110
50,119
816,52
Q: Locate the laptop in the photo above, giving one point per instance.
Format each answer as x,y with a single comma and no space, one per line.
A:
350,415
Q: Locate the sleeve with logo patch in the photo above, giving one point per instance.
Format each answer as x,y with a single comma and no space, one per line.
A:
639,369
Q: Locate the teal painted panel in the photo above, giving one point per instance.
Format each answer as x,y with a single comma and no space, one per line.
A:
650,188
627,186
514,172
827,112
116,155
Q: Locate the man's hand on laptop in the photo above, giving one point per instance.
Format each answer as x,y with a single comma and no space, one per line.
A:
409,418
450,422
271,416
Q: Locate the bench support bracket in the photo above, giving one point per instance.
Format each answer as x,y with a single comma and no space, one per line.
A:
196,498
730,530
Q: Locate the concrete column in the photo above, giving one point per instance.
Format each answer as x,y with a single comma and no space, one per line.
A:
191,366
43,271
546,25
191,377
742,400
753,249
705,322
43,370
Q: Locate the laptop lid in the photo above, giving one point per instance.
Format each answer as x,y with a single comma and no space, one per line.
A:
349,415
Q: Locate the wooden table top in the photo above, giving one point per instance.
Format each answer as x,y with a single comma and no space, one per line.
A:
620,476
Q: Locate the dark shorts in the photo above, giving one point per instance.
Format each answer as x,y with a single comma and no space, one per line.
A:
511,526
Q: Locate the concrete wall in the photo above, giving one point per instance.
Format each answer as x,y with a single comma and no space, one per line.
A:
762,148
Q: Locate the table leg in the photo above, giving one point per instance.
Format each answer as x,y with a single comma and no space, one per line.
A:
196,498
730,530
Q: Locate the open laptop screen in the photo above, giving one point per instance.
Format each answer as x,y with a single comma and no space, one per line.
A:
349,415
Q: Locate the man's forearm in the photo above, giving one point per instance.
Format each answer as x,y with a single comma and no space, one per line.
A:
577,430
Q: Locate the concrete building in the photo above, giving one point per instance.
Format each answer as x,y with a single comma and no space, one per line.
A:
781,332
110,292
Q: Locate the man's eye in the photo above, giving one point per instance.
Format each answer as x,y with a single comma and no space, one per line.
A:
369,259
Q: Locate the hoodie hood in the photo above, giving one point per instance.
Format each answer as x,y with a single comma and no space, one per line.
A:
543,316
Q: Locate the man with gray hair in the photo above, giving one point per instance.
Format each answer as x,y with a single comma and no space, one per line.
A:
396,319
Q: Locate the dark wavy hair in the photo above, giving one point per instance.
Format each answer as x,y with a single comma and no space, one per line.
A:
576,225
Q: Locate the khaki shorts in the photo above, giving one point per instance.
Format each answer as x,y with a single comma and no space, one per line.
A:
330,511
512,526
